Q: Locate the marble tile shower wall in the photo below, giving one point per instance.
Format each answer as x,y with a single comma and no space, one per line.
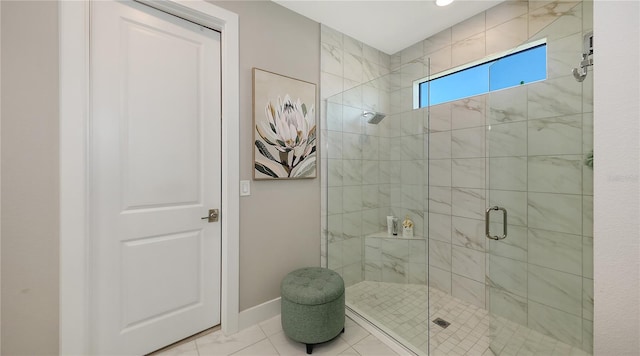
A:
356,158
523,149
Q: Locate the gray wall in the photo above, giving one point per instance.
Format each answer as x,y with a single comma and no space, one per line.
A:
280,221
29,178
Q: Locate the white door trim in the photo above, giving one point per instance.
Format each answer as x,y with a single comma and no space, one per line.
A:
75,326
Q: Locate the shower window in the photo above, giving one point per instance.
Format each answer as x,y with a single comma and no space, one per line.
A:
523,65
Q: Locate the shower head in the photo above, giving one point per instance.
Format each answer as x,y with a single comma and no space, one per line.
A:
373,117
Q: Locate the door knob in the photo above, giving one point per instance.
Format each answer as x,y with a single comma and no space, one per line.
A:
213,215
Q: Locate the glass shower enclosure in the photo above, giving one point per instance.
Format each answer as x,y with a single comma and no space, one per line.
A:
510,162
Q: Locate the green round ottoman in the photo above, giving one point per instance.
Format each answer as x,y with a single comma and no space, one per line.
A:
312,305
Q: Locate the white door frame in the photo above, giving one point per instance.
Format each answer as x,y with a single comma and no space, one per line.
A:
75,194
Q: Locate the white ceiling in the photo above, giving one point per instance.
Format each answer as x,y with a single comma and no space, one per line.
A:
389,26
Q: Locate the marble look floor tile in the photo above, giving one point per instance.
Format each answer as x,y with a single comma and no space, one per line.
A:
219,344
373,346
286,346
261,348
271,326
353,333
186,349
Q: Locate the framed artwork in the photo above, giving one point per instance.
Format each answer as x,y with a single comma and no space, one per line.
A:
284,121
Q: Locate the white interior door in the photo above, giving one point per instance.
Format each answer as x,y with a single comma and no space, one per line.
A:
155,171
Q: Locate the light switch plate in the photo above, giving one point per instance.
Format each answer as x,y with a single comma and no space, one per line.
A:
245,188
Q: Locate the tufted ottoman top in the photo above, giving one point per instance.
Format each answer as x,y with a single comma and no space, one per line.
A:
312,286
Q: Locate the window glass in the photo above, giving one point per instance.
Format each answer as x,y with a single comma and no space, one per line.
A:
515,69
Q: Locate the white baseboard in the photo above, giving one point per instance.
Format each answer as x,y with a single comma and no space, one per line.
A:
258,314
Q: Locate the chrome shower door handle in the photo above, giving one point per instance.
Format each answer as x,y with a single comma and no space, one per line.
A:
487,222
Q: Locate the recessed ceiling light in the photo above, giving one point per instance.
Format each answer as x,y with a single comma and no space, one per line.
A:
443,2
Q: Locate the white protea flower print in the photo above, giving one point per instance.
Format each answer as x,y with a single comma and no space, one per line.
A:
290,129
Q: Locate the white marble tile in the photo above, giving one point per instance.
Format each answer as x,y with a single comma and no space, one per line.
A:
418,251
508,35
587,91
439,118
370,99
587,299
417,273
555,20
263,347
508,173
555,289
334,173
514,201
186,349
219,344
370,172
468,290
506,140
335,260
505,106
587,132
468,233
440,279
332,87
587,336
271,326
467,143
504,12
438,61
554,97
370,197
468,203
334,227
412,197
468,112
352,225
555,212
507,274
508,305
587,181
411,53
412,147
555,250
406,99
468,173
562,135
394,271
440,227
440,172
439,200
468,50
587,257
437,41
331,59
352,200
411,71
330,36
352,273
558,324
440,254
286,346
587,215
514,246
555,174
353,333
468,27
352,146
468,263
352,94
563,55
353,68
334,117
352,121
371,345
334,205
351,172
334,144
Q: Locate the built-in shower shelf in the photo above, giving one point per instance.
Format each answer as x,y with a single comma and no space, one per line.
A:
385,235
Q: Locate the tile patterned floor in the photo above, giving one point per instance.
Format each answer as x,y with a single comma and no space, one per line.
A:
267,338
401,311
